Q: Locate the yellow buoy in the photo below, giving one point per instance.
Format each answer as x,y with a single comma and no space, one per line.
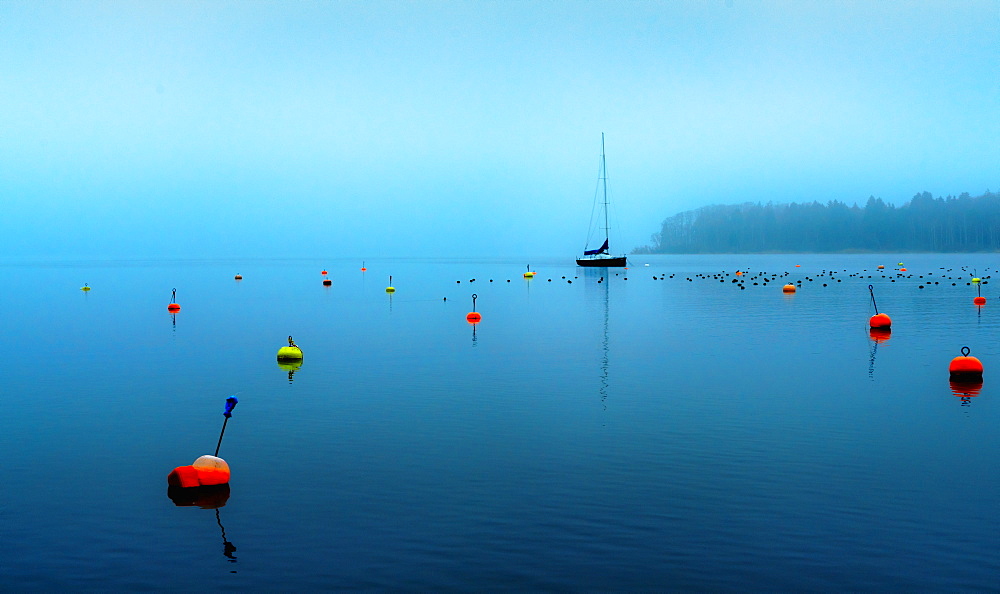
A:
390,288
291,352
85,287
975,279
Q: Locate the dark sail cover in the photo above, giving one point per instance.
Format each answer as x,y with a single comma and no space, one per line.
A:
603,250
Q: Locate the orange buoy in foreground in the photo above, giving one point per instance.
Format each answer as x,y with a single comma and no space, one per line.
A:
473,317
966,367
879,321
205,471
979,300
173,305
789,288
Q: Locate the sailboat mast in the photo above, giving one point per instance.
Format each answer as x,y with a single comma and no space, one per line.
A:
604,178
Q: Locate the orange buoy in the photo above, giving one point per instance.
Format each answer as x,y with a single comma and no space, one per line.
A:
879,321
739,273
205,471
965,367
902,270
473,317
881,267
363,269
979,300
173,307
789,288
323,272
880,335
238,277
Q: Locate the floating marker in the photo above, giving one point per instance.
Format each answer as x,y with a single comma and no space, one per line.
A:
529,273
881,267
173,305
206,470
966,367
902,270
473,317
390,288
363,266
789,288
879,320
979,300
323,272
292,352
238,277
327,282
85,287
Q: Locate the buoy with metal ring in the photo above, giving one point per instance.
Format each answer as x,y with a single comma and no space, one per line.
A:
173,305
291,352
965,367
879,320
473,317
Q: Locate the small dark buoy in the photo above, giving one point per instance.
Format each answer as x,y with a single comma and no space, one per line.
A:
965,367
238,277
327,282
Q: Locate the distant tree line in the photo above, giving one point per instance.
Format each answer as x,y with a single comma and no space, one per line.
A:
924,224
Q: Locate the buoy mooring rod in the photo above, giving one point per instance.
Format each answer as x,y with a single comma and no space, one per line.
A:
474,296
173,296
230,405
871,290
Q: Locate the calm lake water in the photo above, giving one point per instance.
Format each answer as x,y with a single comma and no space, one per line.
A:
654,433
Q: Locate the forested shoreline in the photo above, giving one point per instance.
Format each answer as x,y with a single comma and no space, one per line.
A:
925,224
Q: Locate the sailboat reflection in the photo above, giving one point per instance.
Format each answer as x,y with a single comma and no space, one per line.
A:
291,366
966,390
878,336
209,497
596,281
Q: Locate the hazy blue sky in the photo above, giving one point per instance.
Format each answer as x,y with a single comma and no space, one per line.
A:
226,129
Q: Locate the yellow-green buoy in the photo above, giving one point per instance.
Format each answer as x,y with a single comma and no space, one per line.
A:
390,288
85,287
975,279
291,352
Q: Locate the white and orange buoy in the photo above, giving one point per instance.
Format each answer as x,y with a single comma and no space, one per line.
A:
965,367
789,288
207,470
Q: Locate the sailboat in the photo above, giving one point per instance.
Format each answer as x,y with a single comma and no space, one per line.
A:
602,255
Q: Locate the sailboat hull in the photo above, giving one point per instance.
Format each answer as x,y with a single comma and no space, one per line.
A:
603,262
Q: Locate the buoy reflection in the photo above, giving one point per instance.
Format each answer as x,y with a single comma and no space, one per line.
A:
291,366
209,497
965,390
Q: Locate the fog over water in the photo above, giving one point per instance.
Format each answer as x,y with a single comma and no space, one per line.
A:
470,129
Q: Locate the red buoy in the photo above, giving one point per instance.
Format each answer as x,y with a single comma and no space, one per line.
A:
966,367
979,300
324,272
173,307
473,317
206,471
879,321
